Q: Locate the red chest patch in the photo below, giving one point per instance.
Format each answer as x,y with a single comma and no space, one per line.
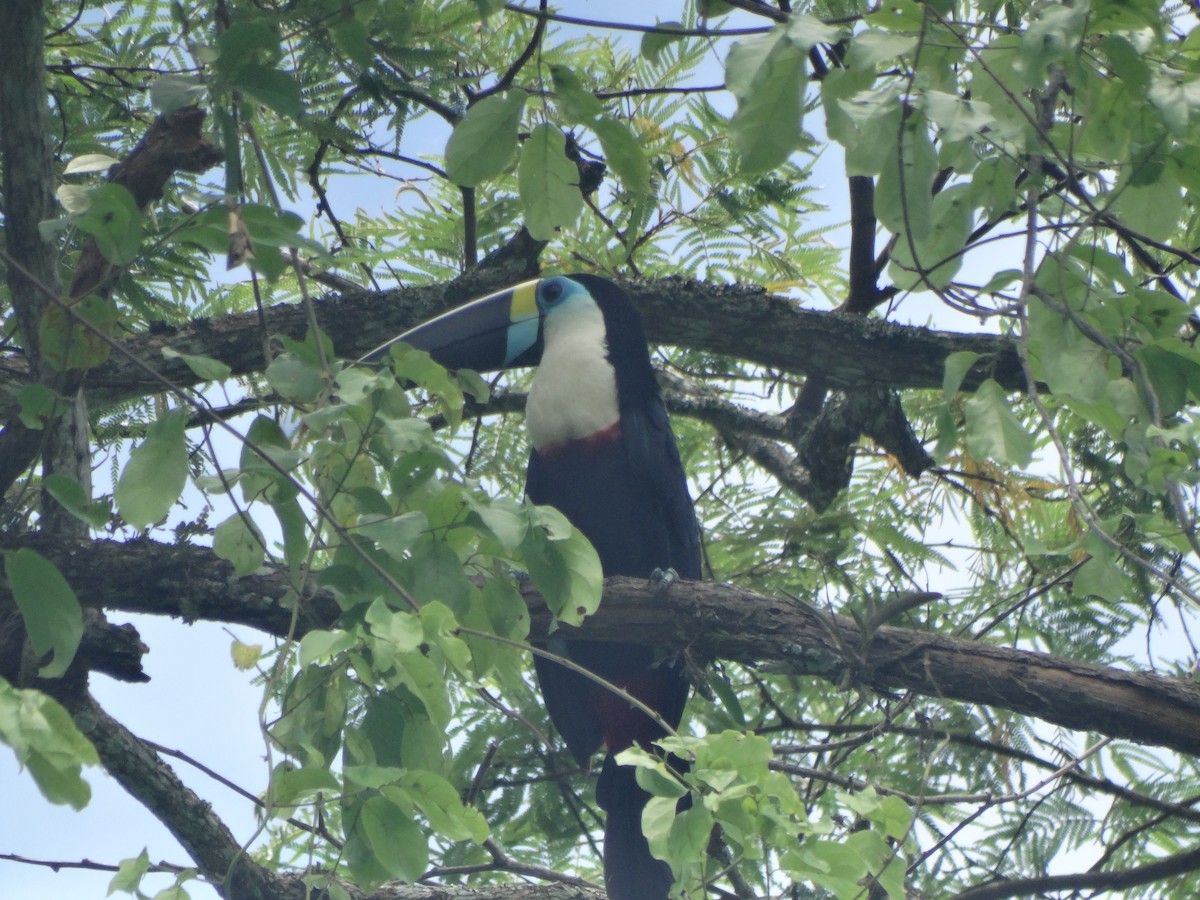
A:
588,444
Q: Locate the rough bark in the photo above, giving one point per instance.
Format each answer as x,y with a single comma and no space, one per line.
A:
711,620
849,350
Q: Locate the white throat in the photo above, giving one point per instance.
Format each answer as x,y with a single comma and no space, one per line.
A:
574,391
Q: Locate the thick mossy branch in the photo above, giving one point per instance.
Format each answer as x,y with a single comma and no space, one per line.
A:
711,620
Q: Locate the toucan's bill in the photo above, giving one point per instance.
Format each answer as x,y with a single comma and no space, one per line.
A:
500,331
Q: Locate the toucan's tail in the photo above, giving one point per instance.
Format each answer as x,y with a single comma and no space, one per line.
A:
630,872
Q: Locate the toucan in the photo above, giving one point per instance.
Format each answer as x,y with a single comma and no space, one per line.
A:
604,455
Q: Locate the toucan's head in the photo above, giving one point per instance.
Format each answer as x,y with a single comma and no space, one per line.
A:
512,328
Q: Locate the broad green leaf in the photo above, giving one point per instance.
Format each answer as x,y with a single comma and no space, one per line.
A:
869,48
48,743
957,366
171,92
957,117
483,143
654,42
506,609
487,7
904,192
295,378
270,87
624,154
73,337
153,478
50,609
37,405
319,646
1152,209
767,75
993,430
402,630
114,220
1054,34
129,874
443,807
290,784
565,568
353,38
204,367
577,103
504,518
392,840
1100,577
934,261
808,31
237,540
394,534
548,183
74,499
1066,359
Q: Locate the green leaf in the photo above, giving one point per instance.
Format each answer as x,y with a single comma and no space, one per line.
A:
767,75
115,221
654,42
37,405
74,499
904,192
171,92
932,262
401,630
857,116
488,7
483,143
993,431
563,565
237,540
577,104
203,367
48,743
957,366
50,609
153,478
295,378
391,840
957,117
319,646
395,535
869,48
258,477
129,874
353,38
1100,577
623,153
443,807
271,87
808,31
1152,209
68,343
548,183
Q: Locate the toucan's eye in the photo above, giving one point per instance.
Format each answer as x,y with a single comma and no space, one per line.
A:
551,291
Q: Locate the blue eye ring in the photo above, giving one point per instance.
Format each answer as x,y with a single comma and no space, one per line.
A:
551,291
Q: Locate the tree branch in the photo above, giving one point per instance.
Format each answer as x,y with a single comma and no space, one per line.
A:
141,772
711,620
727,319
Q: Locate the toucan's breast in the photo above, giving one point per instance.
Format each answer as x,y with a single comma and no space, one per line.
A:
574,391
